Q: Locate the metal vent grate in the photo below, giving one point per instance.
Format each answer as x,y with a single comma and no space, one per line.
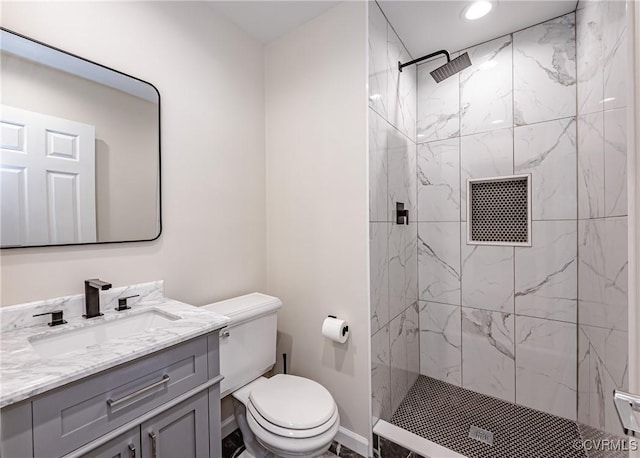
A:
499,211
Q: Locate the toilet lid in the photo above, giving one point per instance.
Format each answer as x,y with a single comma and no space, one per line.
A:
293,402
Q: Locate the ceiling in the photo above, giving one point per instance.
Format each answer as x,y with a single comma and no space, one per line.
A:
268,20
424,26
428,26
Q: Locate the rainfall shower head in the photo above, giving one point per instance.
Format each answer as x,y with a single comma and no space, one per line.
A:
451,68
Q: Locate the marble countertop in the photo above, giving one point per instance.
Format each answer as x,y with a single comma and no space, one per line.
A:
24,373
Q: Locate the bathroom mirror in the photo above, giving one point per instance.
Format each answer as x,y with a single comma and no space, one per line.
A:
79,150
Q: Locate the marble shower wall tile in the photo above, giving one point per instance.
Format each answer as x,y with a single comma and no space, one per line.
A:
402,90
438,104
439,180
412,326
378,167
381,375
616,265
615,55
546,274
602,273
603,367
589,56
546,374
403,267
544,71
615,162
405,353
379,274
548,152
439,262
441,342
401,183
488,358
486,101
378,71
489,154
487,276
591,166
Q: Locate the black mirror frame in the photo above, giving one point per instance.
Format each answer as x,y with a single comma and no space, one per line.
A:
159,151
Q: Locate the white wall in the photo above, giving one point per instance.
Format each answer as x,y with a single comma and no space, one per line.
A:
210,76
317,236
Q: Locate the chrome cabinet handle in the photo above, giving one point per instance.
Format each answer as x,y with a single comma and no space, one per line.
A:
628,405
132,451
224,333
111,403
154,445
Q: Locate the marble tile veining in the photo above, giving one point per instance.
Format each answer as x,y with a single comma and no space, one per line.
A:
438,104
548,152
441,342
381,375
402,87
615,162
591,165
589,57
438,183
487,276
404,360
544,66
546,377
378,168
486,88
546,274
488,356
379,274
439,262
484,155
23,373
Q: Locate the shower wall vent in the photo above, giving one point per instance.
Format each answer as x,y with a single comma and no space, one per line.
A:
499,211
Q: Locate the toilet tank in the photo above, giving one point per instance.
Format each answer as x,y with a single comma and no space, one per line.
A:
248,342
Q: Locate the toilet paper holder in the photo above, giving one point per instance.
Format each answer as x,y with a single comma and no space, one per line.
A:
346,328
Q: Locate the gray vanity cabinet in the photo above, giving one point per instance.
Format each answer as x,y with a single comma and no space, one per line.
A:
126,445
164,405
182,431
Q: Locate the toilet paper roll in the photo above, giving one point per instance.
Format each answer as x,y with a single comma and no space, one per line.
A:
335,329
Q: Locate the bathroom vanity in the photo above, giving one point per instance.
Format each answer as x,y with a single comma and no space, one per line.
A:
143,382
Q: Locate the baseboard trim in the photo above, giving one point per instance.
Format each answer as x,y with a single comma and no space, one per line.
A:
354,441
348,438
229,425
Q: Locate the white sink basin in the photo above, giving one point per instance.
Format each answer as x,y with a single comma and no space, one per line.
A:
50,345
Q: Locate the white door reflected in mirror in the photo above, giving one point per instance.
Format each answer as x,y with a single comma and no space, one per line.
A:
47,179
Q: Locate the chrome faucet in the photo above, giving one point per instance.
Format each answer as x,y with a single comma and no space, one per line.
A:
92,289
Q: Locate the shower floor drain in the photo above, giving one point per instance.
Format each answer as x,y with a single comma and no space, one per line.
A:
480,426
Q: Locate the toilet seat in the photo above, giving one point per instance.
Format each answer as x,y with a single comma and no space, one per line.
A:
292,403
290,433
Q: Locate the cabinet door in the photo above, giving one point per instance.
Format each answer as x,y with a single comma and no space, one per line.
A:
126,445
182,431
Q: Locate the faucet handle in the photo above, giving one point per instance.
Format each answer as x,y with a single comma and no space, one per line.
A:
122,303
56,317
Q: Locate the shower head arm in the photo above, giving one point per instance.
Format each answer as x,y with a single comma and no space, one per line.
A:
428,56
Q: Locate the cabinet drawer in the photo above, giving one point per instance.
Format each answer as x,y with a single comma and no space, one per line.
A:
83,411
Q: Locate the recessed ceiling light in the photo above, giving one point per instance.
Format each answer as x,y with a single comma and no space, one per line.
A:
477,9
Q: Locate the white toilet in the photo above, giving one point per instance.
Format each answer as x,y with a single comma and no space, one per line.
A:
285,415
